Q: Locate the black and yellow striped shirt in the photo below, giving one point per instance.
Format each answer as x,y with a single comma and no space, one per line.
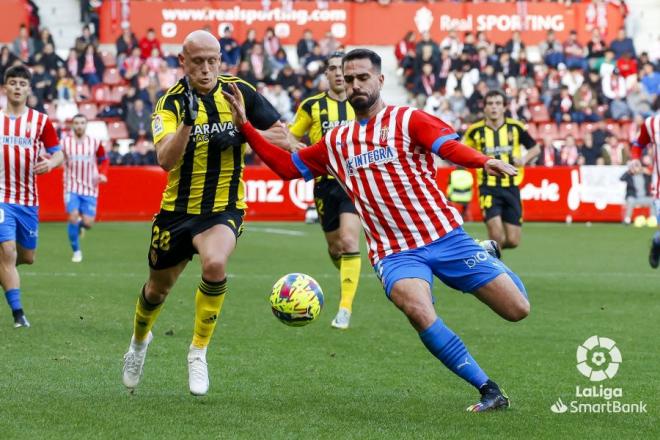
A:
209,175
503,143
319,114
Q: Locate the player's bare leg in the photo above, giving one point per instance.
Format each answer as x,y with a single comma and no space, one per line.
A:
155,291
214,245
512,233
504,297
496,231
344,245
654,254
11,282
413,297
25,256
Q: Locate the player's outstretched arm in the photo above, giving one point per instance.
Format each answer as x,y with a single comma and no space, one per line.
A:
274,157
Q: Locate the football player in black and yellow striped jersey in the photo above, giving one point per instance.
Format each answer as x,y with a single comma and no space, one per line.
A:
499,197
203,203
315,117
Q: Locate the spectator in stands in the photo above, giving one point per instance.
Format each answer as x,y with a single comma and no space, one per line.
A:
469,45
259,63
44,38
457,103
561,106
229,49
572,78
591,153
627,68
280,99
145,84
492,79
425,56
288,79
49,59
148,43
154,62
329,44
451,42
138,121
506,66
305,46
65,93
639,101
614,90
551,50
525,70
405,47
85,40
638,182
483,59
475,102
166,77
278,62
126,42
461,79
584,105
127,101
43,84
314,61
549,156
595,48
607,64
650,79
246,74
569,153
615,152
271,43
426,84
131,65
444,67
114,155
143,153
7,60
23,46
90,66
515,46
622,44
248,44
574,54
72,63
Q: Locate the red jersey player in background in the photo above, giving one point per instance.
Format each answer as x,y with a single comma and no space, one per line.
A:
23,134
85,166
650,136
384,161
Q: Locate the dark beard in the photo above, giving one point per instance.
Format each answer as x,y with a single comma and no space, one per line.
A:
363,105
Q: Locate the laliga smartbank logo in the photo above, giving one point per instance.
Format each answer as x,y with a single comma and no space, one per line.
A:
598,359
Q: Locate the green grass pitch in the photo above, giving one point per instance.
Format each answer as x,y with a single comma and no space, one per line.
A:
61,378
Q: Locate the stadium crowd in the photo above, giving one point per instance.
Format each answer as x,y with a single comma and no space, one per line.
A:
583,103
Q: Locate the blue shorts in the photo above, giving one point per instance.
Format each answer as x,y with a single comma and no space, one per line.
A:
20,224
85,205
456,259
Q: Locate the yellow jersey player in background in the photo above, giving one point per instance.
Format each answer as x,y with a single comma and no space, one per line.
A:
204,201
315,117
499,197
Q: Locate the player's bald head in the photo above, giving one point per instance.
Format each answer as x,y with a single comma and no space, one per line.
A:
200,40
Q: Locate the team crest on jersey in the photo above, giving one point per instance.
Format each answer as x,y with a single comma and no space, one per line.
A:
157,125
373,157
384,132
153,256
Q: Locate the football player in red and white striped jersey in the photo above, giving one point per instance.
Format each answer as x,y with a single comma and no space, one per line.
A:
649,135
384,161
24,134
85,166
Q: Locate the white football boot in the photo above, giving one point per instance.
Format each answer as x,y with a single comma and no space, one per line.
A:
198,372
134,361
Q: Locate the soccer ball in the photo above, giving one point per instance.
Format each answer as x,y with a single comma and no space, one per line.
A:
296,299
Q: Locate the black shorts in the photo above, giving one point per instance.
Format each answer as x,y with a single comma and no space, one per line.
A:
331,200
503,202
172,234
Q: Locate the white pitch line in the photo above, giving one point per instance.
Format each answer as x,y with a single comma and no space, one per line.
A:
275,231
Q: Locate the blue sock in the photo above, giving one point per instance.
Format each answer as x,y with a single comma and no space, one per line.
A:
74,233
518,282
656,238
443,343
14,299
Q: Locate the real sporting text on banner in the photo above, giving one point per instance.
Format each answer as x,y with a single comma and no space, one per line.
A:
362,24
549,194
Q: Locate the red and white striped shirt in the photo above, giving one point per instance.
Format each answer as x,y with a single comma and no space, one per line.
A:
650,135
84,160
21,140
387,168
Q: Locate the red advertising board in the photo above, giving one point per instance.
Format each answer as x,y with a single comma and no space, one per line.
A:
549,194
361,24
14,13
